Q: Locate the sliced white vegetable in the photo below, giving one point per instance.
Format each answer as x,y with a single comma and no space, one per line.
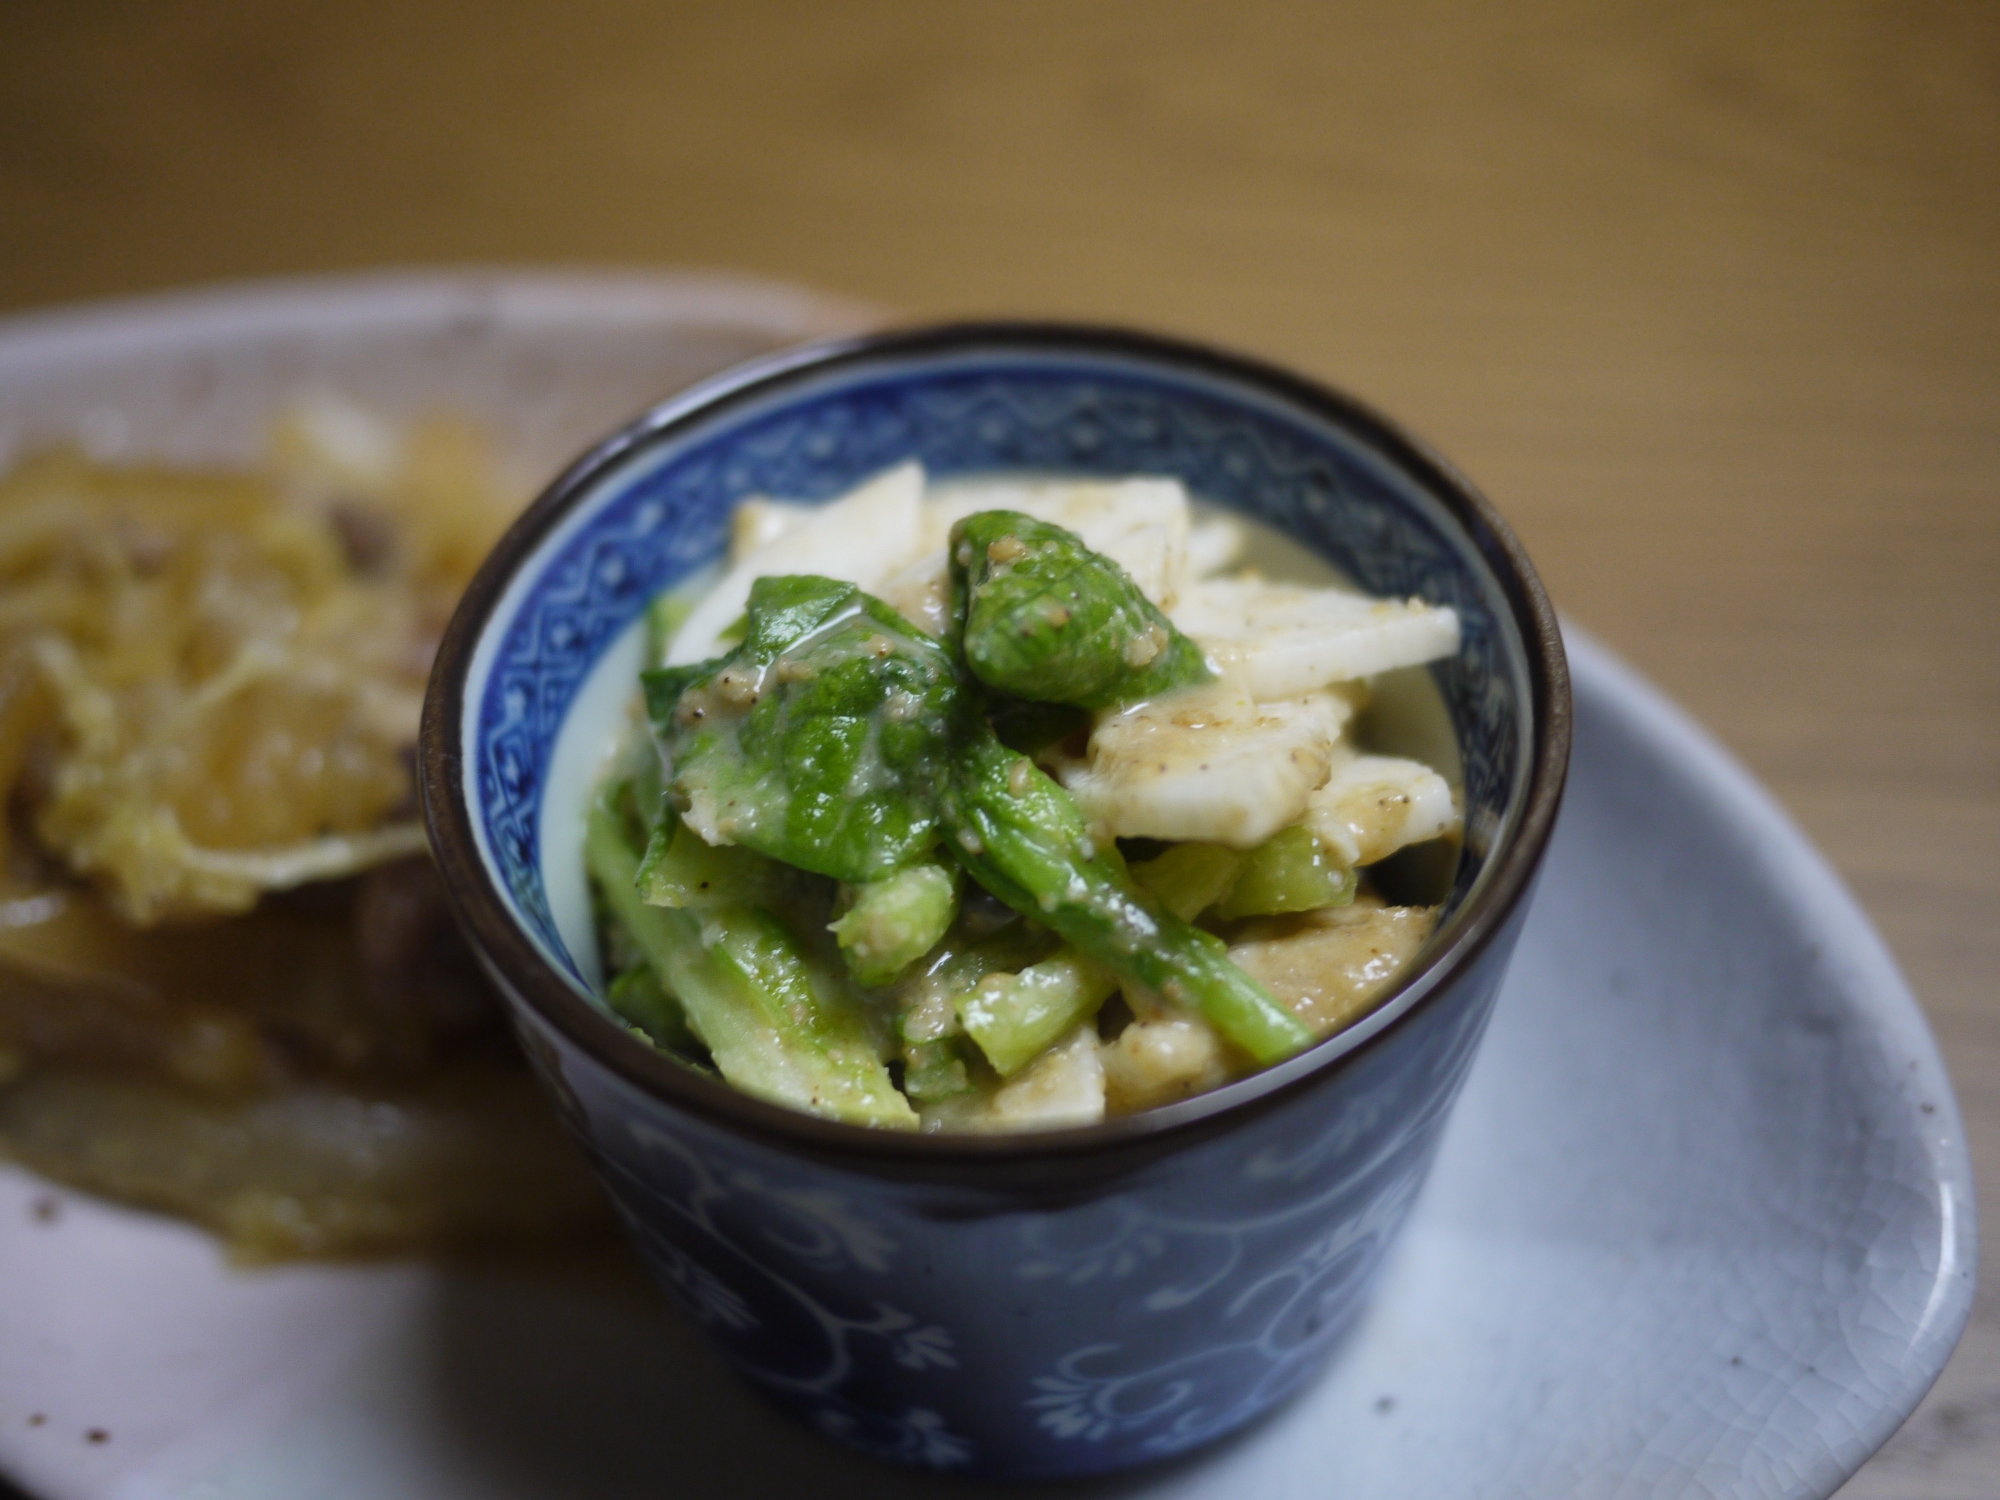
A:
1154,557
863,537
1213,545
1064,1086
1373,805
1061,1088
921,592
1280,640
756,522
1207,764
1157,1062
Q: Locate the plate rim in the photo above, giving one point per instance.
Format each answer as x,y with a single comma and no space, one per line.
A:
276,306
1876,992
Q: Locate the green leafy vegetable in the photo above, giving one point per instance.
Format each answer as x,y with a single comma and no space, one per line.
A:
1290,871
1190,878
895,921
682,871
820,739
775,1026
935,1070
836,738
638,997
1046,619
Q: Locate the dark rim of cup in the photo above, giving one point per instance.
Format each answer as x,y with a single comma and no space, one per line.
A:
521,968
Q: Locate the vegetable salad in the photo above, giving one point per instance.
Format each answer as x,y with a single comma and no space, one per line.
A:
1005,805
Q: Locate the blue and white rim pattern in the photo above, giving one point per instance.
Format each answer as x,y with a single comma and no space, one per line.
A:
662,510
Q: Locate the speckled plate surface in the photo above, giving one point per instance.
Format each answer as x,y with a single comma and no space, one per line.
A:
1702,1224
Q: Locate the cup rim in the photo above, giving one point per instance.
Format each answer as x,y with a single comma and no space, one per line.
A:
520,969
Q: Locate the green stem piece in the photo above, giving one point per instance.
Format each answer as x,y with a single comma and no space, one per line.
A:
895,921
774,1027
1290,871
1014,1016
1019,835
1049,620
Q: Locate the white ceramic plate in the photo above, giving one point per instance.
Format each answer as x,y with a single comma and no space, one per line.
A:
1702,1223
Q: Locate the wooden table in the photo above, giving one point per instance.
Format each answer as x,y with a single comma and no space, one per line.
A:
1704,295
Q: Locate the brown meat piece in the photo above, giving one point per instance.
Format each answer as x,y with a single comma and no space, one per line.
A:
420,982
364,977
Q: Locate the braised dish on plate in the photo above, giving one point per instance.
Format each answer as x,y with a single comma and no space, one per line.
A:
229,985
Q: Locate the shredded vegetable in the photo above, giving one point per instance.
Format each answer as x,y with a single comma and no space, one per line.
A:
222,948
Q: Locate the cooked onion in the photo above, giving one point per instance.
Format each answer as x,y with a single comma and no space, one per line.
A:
229,987
212,679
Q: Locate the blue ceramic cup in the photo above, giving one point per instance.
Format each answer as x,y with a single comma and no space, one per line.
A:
1049,1304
